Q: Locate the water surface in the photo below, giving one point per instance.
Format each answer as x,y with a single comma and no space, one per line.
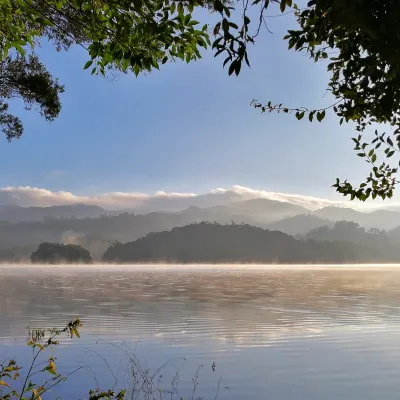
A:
273,332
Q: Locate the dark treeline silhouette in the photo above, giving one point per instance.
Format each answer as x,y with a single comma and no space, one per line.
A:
350,232
60,253
212,242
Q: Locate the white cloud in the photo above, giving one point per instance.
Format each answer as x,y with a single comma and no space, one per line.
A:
31,196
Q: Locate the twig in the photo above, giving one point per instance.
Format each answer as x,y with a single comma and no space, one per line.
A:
216,394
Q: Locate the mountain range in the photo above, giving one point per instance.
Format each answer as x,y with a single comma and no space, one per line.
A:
24,228
13,213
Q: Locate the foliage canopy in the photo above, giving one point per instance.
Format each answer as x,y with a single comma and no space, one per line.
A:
57,252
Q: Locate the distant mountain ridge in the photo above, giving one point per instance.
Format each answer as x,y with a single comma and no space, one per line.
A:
265,210
381,219
22,228
260,211
15,213
299,224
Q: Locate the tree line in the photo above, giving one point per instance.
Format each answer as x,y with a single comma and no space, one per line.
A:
214,243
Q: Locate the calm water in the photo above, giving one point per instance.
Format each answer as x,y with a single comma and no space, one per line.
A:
273,332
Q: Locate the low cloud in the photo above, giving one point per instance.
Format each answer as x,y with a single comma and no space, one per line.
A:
30,196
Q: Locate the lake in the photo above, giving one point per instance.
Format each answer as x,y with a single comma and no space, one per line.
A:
271,332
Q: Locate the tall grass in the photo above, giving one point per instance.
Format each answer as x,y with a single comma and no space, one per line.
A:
41,378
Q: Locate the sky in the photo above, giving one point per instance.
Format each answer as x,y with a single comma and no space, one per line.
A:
184,129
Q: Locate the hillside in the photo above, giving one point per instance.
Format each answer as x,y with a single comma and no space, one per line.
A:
381,219
13,213
95,228
299,224
209,243
266,211
95,234
350,232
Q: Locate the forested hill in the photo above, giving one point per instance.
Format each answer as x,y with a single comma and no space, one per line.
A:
211,242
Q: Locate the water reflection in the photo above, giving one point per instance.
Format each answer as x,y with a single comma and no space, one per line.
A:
278,333
247,307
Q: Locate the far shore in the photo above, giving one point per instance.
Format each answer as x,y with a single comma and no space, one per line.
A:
188,267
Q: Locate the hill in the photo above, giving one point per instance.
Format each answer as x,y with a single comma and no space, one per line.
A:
381,219
96,234
214,243
299,224
351,232
266,211
14,213
27,227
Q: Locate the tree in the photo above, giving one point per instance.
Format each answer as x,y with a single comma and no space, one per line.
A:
28,79
364,78
360,38
59,253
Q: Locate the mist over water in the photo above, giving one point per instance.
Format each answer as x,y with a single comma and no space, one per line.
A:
289,331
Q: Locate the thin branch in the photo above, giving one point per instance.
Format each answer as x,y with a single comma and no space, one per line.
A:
279,108
58,27
216,394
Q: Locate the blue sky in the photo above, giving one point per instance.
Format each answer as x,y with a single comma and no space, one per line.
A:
187,128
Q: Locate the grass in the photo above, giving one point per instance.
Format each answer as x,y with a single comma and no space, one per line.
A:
139,382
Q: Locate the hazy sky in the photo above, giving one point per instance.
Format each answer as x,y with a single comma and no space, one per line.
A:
187,128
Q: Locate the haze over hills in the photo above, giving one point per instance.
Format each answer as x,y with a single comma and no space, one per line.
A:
23,228
299,224
382,219
14,213
265,210
258,211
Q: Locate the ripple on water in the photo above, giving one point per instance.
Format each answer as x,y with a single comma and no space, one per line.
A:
290,331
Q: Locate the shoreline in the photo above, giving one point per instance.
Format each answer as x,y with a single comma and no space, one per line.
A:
195,267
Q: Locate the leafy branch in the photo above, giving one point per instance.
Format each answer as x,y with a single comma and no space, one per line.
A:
41,340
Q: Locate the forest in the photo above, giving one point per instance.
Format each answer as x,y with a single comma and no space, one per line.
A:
214,243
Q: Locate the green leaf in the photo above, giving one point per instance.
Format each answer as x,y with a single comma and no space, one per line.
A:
232,67
19,49
180,8
225,25
320,115
76,333
88,64
390,153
